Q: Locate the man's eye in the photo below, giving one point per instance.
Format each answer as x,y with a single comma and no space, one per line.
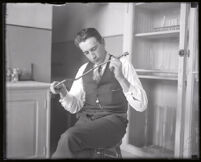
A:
86,53
94,48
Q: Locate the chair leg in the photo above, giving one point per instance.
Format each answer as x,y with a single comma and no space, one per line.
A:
114,152
118,150
99,153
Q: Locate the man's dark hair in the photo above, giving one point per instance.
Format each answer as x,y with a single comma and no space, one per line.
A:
87,33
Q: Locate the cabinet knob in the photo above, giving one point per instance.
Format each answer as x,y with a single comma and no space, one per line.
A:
181,52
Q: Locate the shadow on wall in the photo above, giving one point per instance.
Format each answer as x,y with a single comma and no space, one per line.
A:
66,60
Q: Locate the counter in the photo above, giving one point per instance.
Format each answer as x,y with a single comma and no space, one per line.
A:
27,85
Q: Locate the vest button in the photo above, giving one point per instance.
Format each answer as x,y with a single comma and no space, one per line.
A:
97,100
98,103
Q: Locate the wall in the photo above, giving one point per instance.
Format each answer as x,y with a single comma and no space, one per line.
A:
28,38
30,15
70,18
114,44
29,45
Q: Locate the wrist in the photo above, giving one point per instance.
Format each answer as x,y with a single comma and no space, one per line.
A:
63,93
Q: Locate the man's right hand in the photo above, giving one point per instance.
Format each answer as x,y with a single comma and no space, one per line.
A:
60,89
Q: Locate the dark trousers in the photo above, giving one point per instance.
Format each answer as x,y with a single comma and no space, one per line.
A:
87,134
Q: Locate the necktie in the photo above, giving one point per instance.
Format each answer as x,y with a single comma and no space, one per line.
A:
97,74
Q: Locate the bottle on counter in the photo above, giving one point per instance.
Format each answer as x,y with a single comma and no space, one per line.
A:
8,74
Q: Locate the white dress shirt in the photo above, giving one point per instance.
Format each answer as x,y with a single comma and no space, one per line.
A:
136,96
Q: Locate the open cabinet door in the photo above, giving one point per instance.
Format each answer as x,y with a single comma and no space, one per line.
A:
191,122
181,88
128,47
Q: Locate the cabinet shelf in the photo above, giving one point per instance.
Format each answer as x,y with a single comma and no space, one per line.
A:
159,34
155,71
156,6
157,74
157,77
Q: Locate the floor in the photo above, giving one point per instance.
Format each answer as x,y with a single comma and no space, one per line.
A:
128,155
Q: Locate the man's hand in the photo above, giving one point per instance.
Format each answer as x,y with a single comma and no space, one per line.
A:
116,67
61,89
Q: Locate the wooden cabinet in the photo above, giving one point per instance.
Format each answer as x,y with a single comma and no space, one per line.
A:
27,120
162,40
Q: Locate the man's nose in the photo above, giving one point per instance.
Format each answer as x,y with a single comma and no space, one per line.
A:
93,55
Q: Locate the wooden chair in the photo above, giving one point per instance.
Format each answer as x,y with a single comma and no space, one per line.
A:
113,152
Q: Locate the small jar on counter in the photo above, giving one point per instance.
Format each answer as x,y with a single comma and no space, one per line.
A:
15,75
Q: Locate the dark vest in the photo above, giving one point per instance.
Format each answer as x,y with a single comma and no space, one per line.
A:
105,97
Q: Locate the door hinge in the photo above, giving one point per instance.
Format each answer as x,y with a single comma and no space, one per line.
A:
194,4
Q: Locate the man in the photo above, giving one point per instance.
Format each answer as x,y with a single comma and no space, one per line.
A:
99,98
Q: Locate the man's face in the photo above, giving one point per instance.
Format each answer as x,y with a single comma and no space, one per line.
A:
93,50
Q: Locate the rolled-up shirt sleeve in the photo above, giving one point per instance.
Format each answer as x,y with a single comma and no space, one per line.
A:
136,95
75,98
